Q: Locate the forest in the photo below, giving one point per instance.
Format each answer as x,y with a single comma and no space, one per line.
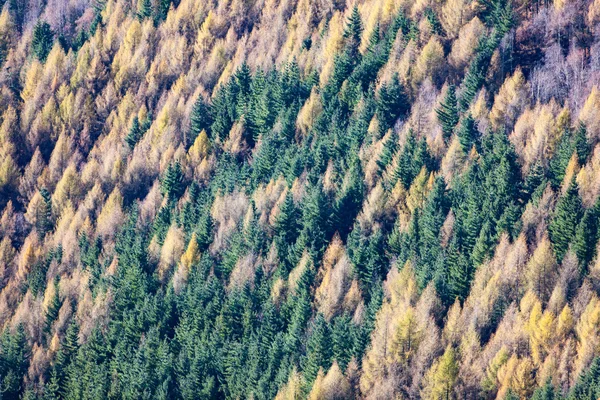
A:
300,199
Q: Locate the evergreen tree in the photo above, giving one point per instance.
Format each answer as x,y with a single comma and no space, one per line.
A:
42,40
586,237
144,9
581,144
172,184
467,133
566,217
134,133
317,349
44,221
389,149
392,103
353,32
560,159
53,309
447,113
341,337
200,119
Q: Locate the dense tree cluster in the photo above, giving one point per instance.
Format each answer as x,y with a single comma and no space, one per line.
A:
299,199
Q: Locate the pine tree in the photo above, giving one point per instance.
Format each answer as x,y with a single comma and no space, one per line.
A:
286,224
467,133
567,214
581,144
317,349
389,150
460,273
447,113
483,245
353,33
42,41
162,10
586,237
172,184
392,103
546,392
134,133
200,119
342,341
44,222
53,309
144,9
560,160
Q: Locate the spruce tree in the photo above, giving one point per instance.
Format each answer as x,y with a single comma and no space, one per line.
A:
317,349
200,119
467,133
134,133
392,103
581,143
564,222
44,221
389,149
172,184
586,237
341,337
447,113
42,41
144,9
53,309
353,33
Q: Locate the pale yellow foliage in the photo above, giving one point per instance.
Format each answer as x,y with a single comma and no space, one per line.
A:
200,149
441,378
111,216
430,62
542,270
309,112
292,390
466,43
510,100
590,114
172,250
454,15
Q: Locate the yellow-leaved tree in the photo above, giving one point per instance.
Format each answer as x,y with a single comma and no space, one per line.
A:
441,377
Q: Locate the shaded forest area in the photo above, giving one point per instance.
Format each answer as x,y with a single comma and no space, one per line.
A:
322,199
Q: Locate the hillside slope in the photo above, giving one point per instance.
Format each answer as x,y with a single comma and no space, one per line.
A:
299,199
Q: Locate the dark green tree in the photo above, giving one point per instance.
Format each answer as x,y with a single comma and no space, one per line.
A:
563,225
392,103
42,41
353,32
172,184
467,133
447,113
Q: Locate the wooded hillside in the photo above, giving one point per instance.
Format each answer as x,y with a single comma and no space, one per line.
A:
322,199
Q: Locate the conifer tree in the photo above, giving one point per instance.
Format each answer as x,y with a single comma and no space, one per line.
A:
467,133
53,309
44,220
392,103
447,113
144,9
567,214
200,119
586,237
134,133
317,349
172,184
581,144
389,150
353,33
42,41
